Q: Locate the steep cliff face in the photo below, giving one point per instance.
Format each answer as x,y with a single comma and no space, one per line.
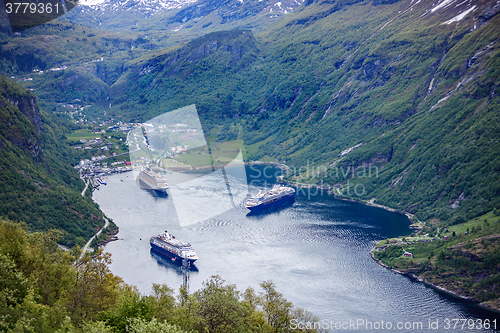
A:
37,183
21,122
231,46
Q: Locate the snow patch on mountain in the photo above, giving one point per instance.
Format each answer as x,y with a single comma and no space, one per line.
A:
283,6
443,4
459,17
153,6
143,6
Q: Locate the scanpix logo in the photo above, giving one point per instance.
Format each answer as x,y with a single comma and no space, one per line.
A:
204,179
27,14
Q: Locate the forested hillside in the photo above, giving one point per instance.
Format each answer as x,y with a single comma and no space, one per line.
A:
411,86
38,185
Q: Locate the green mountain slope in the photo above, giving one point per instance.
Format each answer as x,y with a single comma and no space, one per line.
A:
38,184
64,63
413,87
390,102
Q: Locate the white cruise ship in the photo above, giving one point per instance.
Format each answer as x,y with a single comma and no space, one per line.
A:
150,180
276,196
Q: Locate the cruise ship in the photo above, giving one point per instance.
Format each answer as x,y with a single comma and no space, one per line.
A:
278,195
172,248
150,180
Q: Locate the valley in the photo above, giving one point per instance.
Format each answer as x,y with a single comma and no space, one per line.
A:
391,103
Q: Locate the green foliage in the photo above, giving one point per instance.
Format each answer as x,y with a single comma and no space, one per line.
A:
465,263
163,301
139,325
35,274
129,304
276,308
96,327
94,289
38,185
392,254
220,307
13,289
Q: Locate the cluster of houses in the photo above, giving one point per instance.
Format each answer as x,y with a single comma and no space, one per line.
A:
179,127
37,71
92,167
79,110
399,242
97,143
182,128
179,150
95,60
122,127
57,69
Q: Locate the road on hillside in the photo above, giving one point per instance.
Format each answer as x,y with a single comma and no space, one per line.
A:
86,247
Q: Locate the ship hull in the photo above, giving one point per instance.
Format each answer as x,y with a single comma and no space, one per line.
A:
272,204
167,262
174,257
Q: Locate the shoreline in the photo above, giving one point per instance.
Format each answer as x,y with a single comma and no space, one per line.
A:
411,218
416,278
276,164
370,203
220,166
434,286
415,224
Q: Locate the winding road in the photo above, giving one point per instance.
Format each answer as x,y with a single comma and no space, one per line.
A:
86,247
106,223
86,186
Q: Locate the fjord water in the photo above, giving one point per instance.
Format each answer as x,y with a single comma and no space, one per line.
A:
316,251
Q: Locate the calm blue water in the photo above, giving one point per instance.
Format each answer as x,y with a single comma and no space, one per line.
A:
316,251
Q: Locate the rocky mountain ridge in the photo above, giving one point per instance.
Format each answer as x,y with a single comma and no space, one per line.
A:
137,6
172,16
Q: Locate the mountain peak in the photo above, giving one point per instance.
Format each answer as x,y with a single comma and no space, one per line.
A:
131,14
140,6
154,6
